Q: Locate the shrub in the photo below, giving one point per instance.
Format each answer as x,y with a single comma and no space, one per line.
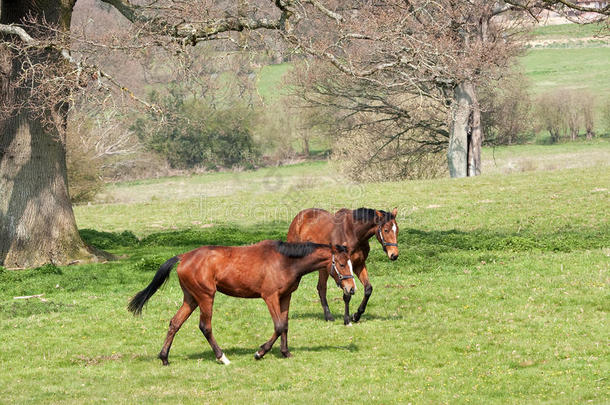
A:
506,111
605,116
108,240
192,131
98,145
362,156
149,263
564,112
84,170
48,268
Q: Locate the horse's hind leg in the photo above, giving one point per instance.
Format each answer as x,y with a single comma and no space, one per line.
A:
205,325
279,325
322,280
187,308
363,276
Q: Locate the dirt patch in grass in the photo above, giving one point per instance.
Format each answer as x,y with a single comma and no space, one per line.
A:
94,361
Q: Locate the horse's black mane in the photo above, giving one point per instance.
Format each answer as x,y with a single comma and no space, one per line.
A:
368,215
302,249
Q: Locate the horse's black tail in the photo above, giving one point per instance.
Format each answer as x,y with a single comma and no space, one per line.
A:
137,302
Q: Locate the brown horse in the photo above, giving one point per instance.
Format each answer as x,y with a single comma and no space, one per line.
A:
270,270
356,227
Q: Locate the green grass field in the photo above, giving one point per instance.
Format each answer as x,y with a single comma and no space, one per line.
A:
269,82
580,68
500,295
567,31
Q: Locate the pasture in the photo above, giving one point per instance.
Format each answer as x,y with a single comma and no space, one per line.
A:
500,294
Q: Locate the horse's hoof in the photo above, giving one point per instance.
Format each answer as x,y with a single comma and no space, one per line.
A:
258,356
287,354
329,318
223,360
356,317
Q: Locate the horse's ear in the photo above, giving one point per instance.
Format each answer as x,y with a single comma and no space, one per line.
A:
379,214
395,212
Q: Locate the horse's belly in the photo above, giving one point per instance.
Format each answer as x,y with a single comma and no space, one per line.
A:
238,291
240,285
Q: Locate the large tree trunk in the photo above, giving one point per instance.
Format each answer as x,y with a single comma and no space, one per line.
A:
465,133
37,223
457,152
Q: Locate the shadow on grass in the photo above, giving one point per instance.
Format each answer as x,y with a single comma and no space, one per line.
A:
275,350
426,242
226,235
339,315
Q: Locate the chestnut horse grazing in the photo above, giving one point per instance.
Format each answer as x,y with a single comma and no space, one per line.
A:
270,270
356,227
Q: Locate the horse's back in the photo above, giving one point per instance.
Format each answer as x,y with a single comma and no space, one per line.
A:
311,225
239,271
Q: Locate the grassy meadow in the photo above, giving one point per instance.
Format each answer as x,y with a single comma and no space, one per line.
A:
575,67
500,294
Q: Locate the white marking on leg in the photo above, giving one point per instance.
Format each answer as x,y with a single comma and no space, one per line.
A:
223,360
349,324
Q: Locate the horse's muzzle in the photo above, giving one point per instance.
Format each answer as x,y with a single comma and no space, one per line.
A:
393,256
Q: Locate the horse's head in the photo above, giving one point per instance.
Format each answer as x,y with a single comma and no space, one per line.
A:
341,269
387,232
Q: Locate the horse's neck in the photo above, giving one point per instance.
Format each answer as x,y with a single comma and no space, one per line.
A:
364,230
345,231
311,262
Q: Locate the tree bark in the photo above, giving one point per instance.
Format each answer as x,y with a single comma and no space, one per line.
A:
457,151
37,224
465,133
475,140
306,150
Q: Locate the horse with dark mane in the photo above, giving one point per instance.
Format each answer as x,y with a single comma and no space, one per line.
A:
270,270
356,227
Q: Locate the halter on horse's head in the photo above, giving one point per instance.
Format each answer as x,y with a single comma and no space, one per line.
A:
341,269
387,232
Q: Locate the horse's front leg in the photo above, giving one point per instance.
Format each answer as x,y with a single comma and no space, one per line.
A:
346,317
322,280
363,276
273,304
284,307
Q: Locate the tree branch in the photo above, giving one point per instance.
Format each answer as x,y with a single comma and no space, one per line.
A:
553,4
65,54
15,30
206,30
